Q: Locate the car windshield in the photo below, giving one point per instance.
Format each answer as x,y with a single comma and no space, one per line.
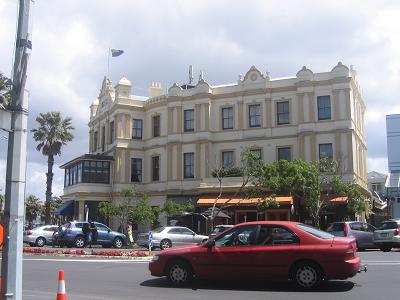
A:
157,230
315,232
388,225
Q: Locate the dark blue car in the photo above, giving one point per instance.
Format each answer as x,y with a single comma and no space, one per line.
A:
73,236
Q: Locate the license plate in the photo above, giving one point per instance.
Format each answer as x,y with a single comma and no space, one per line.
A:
384,235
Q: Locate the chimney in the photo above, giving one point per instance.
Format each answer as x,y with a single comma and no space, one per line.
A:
155,89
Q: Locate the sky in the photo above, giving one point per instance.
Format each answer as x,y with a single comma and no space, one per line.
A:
161,38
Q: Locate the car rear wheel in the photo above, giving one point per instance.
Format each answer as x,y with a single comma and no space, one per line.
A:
179,273
386,248
80,242
165,244
307,275
118,243
40,242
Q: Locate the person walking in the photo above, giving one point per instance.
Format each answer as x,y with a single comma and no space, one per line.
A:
93,231
86,232
130,233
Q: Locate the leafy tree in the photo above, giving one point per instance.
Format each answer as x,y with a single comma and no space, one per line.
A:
5,90
53,132
33,208
316,182
172,208
133,207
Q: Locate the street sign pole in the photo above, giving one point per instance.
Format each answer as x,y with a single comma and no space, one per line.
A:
150,241
11,264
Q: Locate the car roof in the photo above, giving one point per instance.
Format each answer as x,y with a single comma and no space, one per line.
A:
269,223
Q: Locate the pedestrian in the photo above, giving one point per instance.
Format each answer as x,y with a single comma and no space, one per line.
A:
57,236
130,234
86,232
93,231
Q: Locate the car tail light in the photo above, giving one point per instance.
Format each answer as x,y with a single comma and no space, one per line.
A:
396,231
346,229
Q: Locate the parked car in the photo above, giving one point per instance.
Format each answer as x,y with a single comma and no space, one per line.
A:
387,236
106,237
40,236
166,237
263,250
363,232
219,229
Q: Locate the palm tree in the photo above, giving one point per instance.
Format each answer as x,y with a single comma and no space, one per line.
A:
5,90
53,132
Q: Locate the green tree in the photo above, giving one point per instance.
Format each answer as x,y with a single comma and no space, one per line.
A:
133,207
33,208
172,208
53,132
316,182
5,90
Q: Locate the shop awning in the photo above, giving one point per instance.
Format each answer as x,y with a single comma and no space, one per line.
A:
339,200
207,201
65,209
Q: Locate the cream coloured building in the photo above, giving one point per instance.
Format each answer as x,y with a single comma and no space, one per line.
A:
167,143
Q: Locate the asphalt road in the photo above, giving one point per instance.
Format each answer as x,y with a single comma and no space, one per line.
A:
121,279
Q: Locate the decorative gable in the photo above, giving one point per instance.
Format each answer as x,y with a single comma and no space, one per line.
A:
305,74
340,70
253,76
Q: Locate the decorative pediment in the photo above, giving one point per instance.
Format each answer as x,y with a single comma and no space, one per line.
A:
106,87
253,76
174,90
340,70
203,87
305,74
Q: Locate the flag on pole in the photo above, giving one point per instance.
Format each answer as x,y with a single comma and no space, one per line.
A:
116,52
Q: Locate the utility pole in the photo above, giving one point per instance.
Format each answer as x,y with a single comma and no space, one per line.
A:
11,264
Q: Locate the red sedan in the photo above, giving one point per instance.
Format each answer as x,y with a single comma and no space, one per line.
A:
262,250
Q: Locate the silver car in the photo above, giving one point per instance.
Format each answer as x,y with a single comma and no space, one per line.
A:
363,232
387,236
40,236
166,237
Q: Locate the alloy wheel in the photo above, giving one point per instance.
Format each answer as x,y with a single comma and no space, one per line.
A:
79,242
179,273
118,243
165,244
40,242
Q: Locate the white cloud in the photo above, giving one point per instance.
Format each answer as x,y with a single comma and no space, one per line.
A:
378,164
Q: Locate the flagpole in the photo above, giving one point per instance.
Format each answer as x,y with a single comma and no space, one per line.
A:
108,63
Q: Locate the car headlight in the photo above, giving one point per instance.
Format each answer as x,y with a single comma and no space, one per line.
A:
155,258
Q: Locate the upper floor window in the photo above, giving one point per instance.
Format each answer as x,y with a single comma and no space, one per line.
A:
255,115
228,159
285,153
326,151
136,170
103,138
137,129
227,118
324,107
156,126
188,120
155,163
111,132
188,162
283,112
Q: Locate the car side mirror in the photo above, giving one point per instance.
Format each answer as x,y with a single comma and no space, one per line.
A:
210,244
194,234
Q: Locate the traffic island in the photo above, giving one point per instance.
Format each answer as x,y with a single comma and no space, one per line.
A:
89,252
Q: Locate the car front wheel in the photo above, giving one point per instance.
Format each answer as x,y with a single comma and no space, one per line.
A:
80,242
118,243
165,244
40,242
307,275
179,273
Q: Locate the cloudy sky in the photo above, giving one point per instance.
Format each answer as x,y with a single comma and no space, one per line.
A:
223,38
